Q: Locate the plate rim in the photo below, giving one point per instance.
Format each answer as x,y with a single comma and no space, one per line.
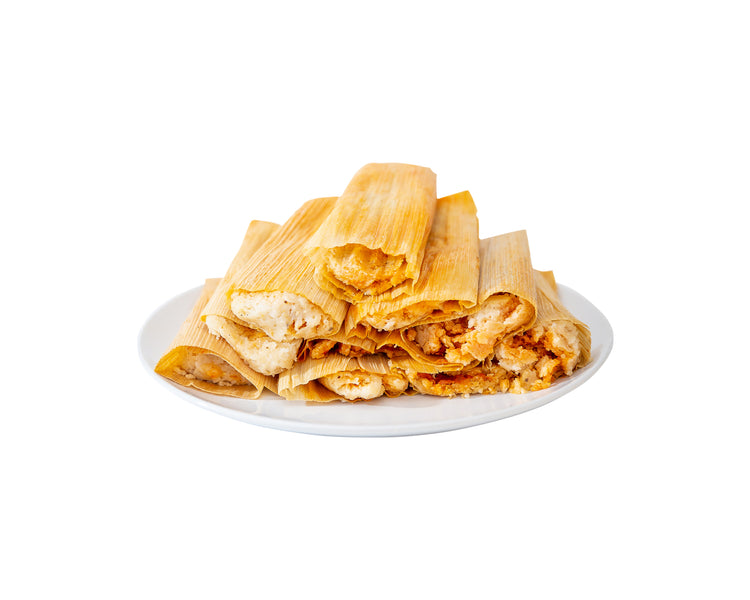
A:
366,430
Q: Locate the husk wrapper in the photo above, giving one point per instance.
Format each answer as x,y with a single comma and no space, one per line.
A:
280,265
301,381
504,268
449,277
550,308
194,337
387,207
256,235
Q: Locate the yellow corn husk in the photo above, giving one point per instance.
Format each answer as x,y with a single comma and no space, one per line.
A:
256,235
193,340
261,353
375,237
551,309
484,377
366,345
449,279
526,361
303,380
504,269
279,265
556,344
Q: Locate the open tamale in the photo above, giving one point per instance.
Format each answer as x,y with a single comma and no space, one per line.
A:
276,293
448,281
258,350
528,360
374,239
197,358
338,377
556,345
505,304
338,343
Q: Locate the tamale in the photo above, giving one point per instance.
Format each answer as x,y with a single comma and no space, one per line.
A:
529,360
262,353
374,239
505,304
485,377
338,343
276,293
448,281
337,377
556,345
197,358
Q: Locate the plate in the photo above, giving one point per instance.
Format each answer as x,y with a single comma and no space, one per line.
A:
406,415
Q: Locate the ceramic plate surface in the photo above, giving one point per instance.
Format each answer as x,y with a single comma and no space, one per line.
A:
407,415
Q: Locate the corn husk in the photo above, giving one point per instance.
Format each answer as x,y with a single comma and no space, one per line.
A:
504,268
495,374
260,352
483,377
255,236
367,345
449,278
279,265
193,338
550,309
301,382
375,237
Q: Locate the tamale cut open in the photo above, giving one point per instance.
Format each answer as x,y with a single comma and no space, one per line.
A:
506,303
527,361
197,358
337,377
385,290
448,281
276,291
374,238
262,353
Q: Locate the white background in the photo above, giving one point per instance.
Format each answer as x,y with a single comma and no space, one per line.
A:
137,140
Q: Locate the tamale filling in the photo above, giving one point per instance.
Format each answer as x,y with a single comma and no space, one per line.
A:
360,385
283,316
473,337
207,367
541,355
321,348
371,271
487,378
260,352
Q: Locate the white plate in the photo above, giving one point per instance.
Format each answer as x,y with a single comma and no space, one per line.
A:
407,415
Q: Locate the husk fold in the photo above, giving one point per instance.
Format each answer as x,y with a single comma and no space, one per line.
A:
280,265
386,208
194,337
255,236
449,277
504,268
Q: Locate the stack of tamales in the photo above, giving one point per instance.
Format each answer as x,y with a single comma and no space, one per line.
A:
384,290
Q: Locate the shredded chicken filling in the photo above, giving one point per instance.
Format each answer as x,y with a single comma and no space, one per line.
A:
392,351
321,348
540,355
489,378
411,314
474,337
525,362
